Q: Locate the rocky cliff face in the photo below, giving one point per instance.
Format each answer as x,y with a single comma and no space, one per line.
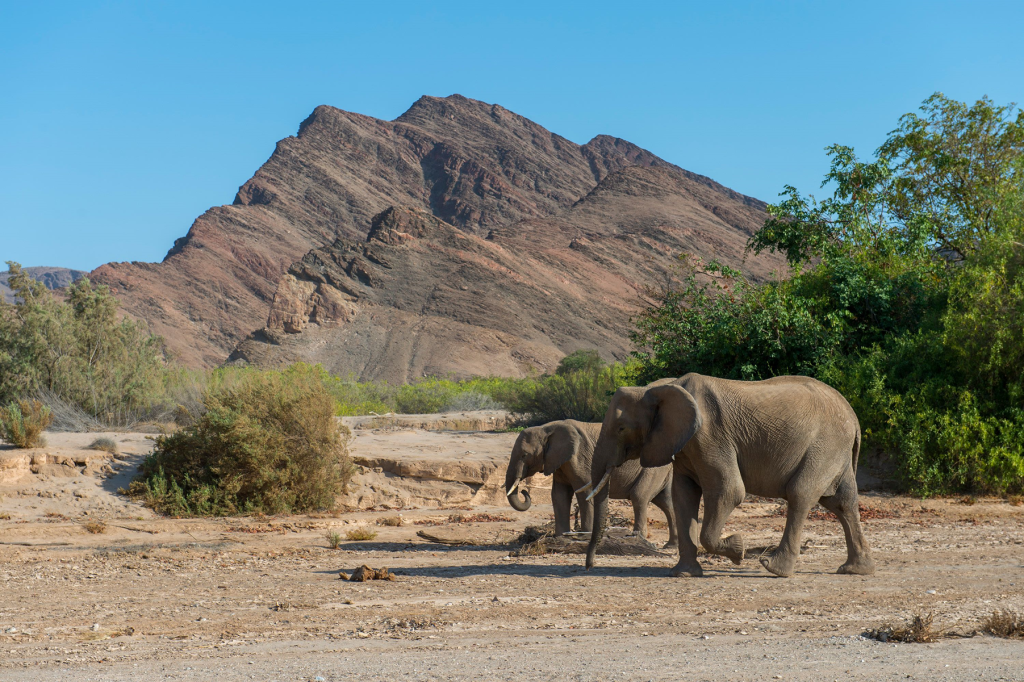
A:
478,167
420,296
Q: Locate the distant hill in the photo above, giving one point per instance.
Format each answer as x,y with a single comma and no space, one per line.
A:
53,278
460,237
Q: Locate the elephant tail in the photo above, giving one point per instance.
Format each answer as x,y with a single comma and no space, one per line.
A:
856,449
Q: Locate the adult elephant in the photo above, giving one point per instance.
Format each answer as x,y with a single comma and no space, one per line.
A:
790,437
565,449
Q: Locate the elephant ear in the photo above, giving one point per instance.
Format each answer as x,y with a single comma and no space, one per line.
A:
675,417
562,444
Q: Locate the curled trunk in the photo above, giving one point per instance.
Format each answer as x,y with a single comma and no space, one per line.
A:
520,505
600,524
513,478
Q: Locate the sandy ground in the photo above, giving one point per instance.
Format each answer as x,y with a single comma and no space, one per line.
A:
250,598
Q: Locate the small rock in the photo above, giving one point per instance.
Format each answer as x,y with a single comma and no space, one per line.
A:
342,575
319,678
929,592
81,494
11,631
95,627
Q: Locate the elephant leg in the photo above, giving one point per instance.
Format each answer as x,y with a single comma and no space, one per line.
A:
782,562
639,514
663,501
718,505
561,500
845,505
686,501
586,513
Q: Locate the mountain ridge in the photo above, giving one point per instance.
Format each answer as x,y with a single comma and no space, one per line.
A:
476,166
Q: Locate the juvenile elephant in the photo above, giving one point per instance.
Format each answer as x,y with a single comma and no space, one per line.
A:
790,437
565,449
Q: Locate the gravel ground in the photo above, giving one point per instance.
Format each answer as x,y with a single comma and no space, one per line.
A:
260,598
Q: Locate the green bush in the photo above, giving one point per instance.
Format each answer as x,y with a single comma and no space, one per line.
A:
22,423
906,294
268,444
582,394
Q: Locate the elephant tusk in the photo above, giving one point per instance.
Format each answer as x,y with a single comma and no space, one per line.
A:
512,490
588,486
600,484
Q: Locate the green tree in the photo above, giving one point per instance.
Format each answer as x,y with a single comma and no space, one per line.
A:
906,292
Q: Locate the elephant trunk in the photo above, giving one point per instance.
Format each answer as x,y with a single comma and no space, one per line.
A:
513,477
600,524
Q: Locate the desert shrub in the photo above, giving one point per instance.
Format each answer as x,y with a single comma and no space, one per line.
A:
906,293
95,527
22,423
470,400
358,534
1004,624
428,395
333,539
268,444
105,445
393,521
582,394
918,630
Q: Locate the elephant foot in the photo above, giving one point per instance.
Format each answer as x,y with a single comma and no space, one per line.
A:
671,544
687,570
859,566
732,547
779,563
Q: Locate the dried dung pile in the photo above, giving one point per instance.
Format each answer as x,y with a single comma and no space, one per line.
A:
364,573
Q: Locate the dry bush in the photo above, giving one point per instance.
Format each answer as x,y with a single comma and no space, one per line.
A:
1015,500
916,630
104,445
393,521
266,444
1004,624
95,527
357,534
22,423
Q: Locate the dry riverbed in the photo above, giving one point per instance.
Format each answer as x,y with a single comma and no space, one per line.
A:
260,598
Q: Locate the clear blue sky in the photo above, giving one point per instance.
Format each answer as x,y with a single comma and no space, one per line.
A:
121,122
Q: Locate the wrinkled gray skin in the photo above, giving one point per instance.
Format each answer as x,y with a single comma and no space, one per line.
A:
564,449
789,437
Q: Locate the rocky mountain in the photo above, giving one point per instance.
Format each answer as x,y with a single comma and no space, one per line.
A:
419,296
460,237
53,278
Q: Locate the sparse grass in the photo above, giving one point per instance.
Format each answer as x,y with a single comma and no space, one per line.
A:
104,445
357,534
1004,624
95,527
917,630
393,521
22,423
333,539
